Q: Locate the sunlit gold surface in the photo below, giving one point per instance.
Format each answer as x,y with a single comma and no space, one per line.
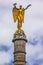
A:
18,15
19,31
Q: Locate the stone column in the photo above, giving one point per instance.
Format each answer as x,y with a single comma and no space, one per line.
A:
19,41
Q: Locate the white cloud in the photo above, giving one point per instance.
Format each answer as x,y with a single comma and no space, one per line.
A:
6,28
32,24
31,20
4,58
10,2
35,52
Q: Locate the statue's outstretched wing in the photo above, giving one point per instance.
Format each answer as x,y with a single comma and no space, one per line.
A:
15,14
23,15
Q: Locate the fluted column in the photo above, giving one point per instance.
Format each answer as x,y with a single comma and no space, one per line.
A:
19,41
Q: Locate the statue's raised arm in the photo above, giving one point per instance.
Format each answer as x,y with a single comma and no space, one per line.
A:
27,7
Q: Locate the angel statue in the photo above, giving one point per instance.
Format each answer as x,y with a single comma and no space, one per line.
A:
18,15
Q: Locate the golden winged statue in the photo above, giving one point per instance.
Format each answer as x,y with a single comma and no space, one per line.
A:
18,15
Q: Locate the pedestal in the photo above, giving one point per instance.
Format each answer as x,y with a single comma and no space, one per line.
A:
19,41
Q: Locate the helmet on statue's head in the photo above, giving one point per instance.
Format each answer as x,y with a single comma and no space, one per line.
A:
20,6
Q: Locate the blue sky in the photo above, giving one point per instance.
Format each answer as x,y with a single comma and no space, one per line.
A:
32,26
